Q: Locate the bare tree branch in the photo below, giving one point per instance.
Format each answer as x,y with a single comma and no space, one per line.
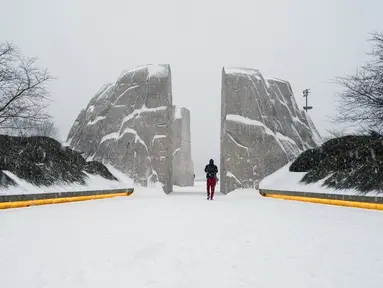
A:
23,91
361,102
30,128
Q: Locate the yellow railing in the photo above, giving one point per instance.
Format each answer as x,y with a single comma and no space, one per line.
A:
59,199
337,202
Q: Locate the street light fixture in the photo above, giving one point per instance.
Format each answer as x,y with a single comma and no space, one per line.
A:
305,94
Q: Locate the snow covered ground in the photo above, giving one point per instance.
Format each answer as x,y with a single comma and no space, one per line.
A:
182,240
285,180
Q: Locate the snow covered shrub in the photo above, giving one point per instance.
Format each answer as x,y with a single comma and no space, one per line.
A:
348,162
42,160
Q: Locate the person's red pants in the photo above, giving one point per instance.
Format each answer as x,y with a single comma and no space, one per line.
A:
210,185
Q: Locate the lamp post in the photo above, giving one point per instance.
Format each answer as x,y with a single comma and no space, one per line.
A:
305,94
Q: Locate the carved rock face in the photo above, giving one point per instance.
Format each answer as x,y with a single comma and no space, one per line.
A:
262,128
128,124
183,167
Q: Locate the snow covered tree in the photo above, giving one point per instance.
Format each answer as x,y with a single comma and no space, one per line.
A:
361,102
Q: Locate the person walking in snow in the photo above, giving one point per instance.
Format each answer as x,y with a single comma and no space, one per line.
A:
211,171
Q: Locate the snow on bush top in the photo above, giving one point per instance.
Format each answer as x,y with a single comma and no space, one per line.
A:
349,162
43,161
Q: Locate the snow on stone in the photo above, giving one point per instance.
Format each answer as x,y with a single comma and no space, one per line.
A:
90,109
125,72
137,112
280,136
110,136
278,80
296,119
127,90
154,172
104,90
90,158
155,137
176,151
267,83
178,113
99,118
147,83
141,67
240,70
282,100
231,175
157,70
239,145
316,137
248,121
137,137
159,137
275,121
118,135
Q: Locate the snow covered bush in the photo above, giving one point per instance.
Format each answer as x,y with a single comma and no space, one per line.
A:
42,160
348,162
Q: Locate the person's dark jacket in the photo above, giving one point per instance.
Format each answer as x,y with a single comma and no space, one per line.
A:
211,170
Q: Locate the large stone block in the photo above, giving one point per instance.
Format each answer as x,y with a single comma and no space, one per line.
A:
129,125
261,128
183,167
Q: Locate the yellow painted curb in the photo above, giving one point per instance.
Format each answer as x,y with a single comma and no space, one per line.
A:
364,205
18,204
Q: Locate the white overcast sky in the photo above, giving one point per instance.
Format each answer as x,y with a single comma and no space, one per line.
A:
86,43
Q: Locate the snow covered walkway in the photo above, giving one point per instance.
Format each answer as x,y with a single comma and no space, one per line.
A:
183,240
